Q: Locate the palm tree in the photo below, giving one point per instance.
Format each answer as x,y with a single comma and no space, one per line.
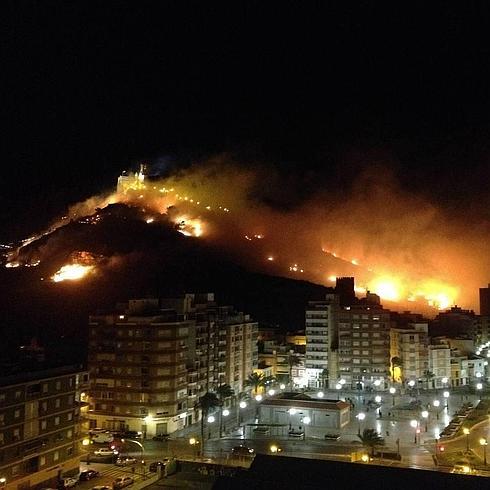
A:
371,439
206,403
396,362
255,380
428,375
223,392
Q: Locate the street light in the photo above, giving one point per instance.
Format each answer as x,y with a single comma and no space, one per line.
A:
415,424
393,391
360,417
338,387
436,404
193,441
466,432
282,386
377,399
479,386
320,394
446,396
258,398
425,415
211,419
484,444
271,392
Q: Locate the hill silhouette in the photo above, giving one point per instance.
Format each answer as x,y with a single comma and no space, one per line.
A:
133,259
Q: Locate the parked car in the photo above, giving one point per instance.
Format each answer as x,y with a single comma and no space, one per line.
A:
122,481
154,466
130,434
332,437
102,437
296,433
101,487
105,452
464,469
125,461
242,451
69,482
86,475
161,437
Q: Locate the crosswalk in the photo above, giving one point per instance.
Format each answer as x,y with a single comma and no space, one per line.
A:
111,471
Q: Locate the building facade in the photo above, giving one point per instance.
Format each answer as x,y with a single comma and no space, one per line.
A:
152,360
40,426
321,335
410,346
300,413
439,366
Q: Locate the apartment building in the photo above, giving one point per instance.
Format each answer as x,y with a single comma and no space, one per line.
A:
40,426
410,345
138,374
321,335
364,345
151,360
439,366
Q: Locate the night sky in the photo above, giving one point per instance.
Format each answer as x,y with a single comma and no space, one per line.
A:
320,93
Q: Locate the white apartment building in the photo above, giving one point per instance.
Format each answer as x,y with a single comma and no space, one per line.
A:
320,332
439,365
410,346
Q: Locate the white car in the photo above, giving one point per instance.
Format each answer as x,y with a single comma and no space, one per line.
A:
69,482
122,481
105,452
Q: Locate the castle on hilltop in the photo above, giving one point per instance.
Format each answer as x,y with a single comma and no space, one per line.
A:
132,180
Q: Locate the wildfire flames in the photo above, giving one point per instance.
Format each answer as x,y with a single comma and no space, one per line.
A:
72,272
405,251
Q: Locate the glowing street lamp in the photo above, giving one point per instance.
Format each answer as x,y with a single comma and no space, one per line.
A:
320,394
377,399
271,392
282,386
258,398
425,416
479,386
338,387
484,444
226,412
436,404
211,419
360,417
193,441
415,424
243,404
393,391
466,432
446,396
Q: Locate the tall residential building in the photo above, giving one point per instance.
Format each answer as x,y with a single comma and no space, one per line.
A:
151,360
40,426
364,345
485,301
439,366
410,346
321,341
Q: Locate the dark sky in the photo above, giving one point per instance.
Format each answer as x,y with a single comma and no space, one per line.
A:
90,88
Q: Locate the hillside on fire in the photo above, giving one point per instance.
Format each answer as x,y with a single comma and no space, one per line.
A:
117,253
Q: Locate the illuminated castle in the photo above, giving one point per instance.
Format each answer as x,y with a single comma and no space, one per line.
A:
132,180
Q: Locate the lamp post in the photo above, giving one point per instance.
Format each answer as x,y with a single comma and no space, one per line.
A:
425,416
242,405
466,432
360,417
436,404
393,391
446,397
484,444
415,424
193,441
338,387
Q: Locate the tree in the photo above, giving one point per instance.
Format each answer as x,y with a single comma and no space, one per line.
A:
371,439
206,403
255,380
396,362
223,392
428,375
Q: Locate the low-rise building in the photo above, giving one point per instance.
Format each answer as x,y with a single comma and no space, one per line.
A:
297,412
439,366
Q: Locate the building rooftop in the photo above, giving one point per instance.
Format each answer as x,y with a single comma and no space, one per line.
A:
42,372
294,399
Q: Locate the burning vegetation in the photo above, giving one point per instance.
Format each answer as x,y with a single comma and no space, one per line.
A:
395,245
